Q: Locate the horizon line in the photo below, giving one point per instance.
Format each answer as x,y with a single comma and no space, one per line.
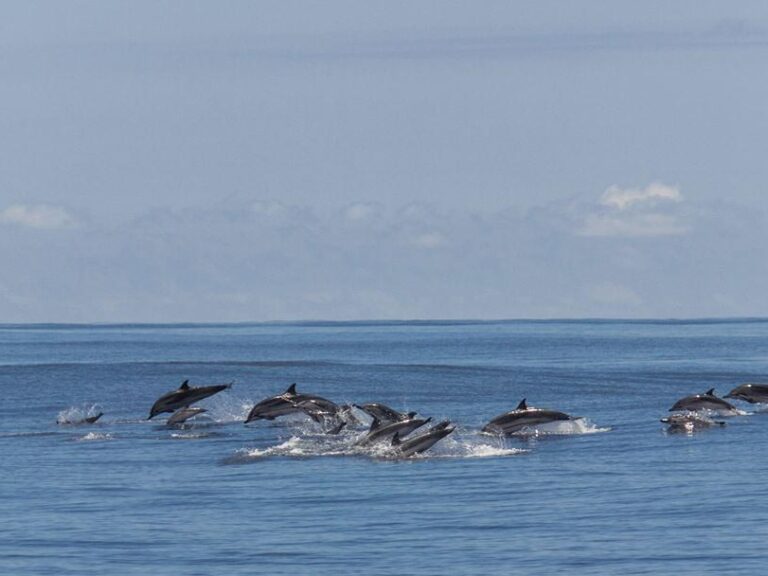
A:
391,322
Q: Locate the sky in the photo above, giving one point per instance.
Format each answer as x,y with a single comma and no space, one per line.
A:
273,161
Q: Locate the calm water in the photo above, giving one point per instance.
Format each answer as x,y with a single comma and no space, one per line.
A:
619,495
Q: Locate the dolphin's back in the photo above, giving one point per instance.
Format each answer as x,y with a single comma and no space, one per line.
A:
701,402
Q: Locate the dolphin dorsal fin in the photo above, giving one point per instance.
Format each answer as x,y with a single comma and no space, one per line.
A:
710,392
375,423
522,405
396,439
291,390
411,415
184,385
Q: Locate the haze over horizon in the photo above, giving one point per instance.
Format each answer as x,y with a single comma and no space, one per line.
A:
193,162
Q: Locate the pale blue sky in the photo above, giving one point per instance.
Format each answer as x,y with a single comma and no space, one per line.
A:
203,161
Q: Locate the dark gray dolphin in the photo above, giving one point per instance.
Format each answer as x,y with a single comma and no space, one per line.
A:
689,422
181,416
382,412
271,408
523,417
184,396
752,393
319,409
422,442
706,401
290,402
380,431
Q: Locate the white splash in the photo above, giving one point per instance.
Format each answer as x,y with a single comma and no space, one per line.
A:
226,408
94,436
305,445
77,414
295,447
191,435
471,445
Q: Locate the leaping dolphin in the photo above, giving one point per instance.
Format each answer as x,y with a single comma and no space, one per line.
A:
380,431
706,401
422,442
523,417
290,402
271,408
183,397
319,409
752,393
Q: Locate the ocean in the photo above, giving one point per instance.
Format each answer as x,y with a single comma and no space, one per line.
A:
613,493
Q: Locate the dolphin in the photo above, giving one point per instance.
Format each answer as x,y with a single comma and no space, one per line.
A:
271,408
183,397
752,393
523,417
181,416
380,431
319,408
290,402
382,412
422,442
689,422
706,401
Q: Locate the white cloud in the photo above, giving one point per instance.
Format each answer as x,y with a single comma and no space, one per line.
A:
42,216
625,198
636,212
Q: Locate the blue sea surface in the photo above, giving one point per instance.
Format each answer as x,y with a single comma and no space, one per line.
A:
616,494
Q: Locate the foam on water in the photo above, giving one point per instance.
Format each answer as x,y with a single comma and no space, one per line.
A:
572,427
94,436
194,435
307,443
467,444
295,447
